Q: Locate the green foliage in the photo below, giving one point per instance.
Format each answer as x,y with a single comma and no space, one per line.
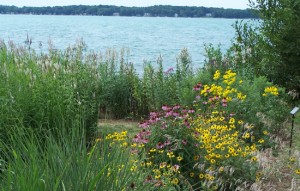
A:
270,47
64,164
47,91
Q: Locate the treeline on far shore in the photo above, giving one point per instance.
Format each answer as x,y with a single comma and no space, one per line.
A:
152,11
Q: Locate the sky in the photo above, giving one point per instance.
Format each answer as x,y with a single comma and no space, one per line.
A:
236,4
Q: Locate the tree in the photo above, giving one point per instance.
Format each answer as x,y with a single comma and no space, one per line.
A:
281,40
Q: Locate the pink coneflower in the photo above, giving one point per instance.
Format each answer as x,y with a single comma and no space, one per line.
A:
145,140
191,111
196,88
176,107
175,167
136,138
144,124
175,114
184,141
165,108
167,142
168,114
160,145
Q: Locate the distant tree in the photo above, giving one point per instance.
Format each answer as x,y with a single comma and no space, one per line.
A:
108,10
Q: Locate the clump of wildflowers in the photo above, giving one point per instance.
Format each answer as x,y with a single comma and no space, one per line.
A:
272,90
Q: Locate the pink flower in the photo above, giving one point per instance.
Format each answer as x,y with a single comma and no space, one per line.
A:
144,124
176,107
165,108
167,142
196,88
175,114
169,70
160,145
191,111
184,141
168,114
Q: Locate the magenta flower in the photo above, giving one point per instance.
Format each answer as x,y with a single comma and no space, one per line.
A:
176,107
165,108
191,111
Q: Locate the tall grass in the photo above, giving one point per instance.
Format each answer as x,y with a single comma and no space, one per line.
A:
67,164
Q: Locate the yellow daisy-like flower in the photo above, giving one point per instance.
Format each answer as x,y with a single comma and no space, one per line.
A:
292,159
201,176
175,181
221,169
297,171
212,161
217,75
192,174
265,132
179,158
253,159
261,141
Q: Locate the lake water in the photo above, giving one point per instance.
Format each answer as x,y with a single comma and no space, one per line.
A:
146,37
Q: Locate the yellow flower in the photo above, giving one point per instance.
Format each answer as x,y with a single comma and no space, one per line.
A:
297,171
192,174
170,154
221,169
231,121
271,90
253,159
179,158
201,176
217,75
175,181
265,132
261,141
292,159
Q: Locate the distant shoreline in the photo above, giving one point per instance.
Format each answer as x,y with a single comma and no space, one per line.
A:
124,16
151,11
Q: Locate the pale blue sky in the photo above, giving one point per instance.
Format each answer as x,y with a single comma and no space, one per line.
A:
238,4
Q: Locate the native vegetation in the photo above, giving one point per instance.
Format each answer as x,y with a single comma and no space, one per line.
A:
204,129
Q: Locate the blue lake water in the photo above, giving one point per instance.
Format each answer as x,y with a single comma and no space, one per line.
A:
145,37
